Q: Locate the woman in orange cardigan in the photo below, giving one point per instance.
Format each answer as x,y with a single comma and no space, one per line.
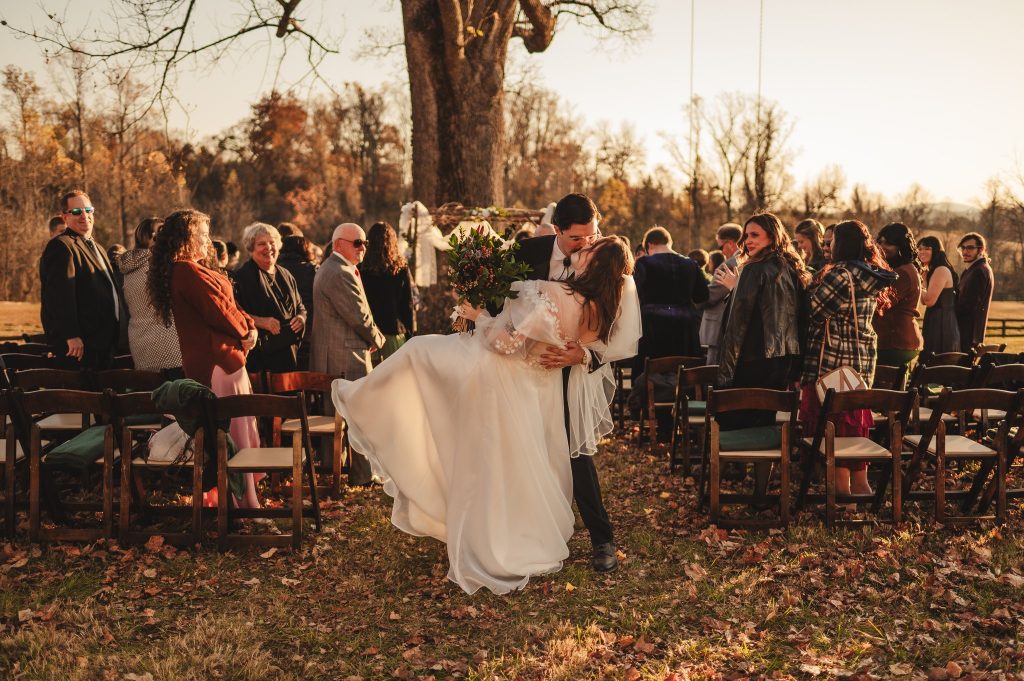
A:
214,333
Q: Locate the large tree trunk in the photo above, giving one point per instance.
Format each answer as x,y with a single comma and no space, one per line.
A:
456,83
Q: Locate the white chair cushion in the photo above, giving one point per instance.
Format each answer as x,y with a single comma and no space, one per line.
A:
858,448
153,463
18,453
61,422
263,458
992,414
317,424
781,417
956,445
766,454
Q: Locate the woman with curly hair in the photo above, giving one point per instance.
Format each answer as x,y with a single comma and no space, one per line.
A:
899,336
215,335
842,301
389,288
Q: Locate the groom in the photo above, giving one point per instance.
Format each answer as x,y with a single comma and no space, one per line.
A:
576,221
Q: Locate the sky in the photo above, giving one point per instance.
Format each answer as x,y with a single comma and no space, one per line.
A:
895,91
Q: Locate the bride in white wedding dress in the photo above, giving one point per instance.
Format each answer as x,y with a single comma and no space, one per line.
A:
467,431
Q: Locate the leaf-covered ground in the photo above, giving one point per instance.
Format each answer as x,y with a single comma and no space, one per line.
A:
364,601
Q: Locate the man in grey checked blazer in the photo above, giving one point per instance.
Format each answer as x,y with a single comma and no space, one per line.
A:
344,334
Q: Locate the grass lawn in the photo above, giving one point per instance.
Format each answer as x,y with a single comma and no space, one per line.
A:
364,601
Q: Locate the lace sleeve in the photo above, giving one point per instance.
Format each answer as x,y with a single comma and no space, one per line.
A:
532,317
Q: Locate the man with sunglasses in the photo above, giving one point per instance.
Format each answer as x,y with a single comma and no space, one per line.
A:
344,333
974,293
81,302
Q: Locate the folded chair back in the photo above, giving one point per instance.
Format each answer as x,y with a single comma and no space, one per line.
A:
127,380
49,379
17,361
889,378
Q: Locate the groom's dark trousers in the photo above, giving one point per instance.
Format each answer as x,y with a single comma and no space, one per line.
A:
586,490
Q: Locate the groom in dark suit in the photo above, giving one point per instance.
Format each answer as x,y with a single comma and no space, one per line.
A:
576,221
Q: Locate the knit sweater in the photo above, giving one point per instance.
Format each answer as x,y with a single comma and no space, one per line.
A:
210,325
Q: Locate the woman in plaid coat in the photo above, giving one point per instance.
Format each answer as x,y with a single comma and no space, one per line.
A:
842,301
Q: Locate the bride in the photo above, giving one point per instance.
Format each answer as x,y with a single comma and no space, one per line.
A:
470,434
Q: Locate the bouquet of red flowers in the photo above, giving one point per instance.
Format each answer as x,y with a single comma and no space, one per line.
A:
482,269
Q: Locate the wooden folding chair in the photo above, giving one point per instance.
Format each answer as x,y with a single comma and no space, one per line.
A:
759,445
648,415
16,361
931,359
12,455
688,414
39,349
929,381
889,378
126,408
55,426
981,349
896,406
317,388
934,443
44,464
623,373
295,459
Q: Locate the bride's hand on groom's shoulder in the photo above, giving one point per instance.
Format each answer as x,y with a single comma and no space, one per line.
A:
558,358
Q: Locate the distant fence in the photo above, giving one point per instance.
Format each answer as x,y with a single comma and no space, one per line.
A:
1005,328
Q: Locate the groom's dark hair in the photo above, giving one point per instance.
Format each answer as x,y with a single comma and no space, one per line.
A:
574,209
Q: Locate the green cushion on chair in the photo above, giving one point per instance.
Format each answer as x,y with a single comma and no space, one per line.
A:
80,451
750,439
697,407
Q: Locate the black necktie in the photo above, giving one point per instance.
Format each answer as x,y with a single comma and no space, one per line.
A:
566,264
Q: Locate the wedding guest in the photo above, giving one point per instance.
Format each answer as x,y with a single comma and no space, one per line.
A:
899,336
297,256
701,258
214,334
826,243
287,229
760,346
81,302
154,346
941,332
56,226
220,252
727,237
526,232
345,334
389,287
234,255
715,260
843,299
669,284
809,234
974,295
270,295
760,343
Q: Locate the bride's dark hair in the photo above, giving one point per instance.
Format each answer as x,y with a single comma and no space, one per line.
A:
600,284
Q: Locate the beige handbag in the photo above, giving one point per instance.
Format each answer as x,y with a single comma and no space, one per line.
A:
843,378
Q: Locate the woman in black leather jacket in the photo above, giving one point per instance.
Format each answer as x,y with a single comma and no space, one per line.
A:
760,344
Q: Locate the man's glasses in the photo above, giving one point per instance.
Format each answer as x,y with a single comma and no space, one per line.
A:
358,243
88,210
967,247
590,238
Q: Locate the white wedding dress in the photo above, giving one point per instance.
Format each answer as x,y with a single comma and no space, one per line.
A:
467,432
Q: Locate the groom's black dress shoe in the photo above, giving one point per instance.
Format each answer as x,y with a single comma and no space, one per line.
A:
603,558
